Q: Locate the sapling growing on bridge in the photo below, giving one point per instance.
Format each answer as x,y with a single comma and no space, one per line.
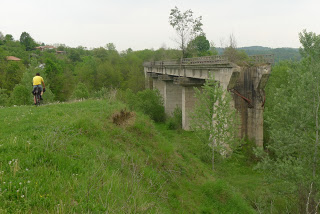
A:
214,119
186,27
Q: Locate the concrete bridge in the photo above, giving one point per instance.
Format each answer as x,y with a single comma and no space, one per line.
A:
176,81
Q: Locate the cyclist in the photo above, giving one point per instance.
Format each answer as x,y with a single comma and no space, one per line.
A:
38,82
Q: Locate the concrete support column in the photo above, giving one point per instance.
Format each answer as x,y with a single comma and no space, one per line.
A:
172,97
160,85
255,125
148,81
188,102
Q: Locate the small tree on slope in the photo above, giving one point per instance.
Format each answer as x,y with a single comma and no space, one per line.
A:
213,119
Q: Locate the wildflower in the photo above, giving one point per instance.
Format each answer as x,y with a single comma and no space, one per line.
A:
20,183
9,162
17,190
28,182
22,196
4,182
27,169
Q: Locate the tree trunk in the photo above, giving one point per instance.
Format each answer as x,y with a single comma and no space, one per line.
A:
212,155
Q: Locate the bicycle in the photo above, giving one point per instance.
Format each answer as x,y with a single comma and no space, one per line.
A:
37,94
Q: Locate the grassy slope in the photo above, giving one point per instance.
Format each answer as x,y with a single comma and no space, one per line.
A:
72,158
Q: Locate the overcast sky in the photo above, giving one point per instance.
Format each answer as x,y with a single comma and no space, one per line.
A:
143,24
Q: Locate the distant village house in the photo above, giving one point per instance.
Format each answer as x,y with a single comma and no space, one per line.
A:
45,47
49,47
12,58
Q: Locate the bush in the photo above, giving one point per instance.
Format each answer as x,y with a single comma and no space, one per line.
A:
175,121
105,93
81,91
48,96
21,95
148,102
3,97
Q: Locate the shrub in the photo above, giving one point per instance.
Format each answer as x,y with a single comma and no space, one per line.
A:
175,121
150,102
3,97
105,93
21,95
48,96
81,91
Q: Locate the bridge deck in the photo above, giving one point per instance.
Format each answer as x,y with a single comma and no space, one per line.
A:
209,60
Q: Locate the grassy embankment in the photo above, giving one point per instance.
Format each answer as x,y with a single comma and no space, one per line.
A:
71,157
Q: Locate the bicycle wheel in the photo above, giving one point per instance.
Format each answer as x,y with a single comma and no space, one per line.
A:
38,99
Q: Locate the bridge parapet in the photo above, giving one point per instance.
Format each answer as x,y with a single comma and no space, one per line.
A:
210,60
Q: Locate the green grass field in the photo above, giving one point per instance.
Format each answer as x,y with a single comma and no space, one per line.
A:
72,158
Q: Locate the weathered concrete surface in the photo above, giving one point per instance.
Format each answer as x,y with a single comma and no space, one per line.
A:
175,79
250,85
188,102
172,97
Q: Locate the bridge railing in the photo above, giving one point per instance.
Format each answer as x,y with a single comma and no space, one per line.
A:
256,59
259,59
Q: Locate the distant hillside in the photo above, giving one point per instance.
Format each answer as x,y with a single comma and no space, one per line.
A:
279,53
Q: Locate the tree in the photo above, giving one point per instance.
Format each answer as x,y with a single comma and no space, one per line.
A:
199,46
27,41
55,78
8,37
1,38
293,121
233,54
12,75
213,118
186,27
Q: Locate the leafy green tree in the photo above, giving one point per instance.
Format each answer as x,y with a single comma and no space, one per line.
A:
1,38
55,79
27,41
74,55
86,72
8,37
213,119
186,27
100,53
200,46
293,122
108,76
12,75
